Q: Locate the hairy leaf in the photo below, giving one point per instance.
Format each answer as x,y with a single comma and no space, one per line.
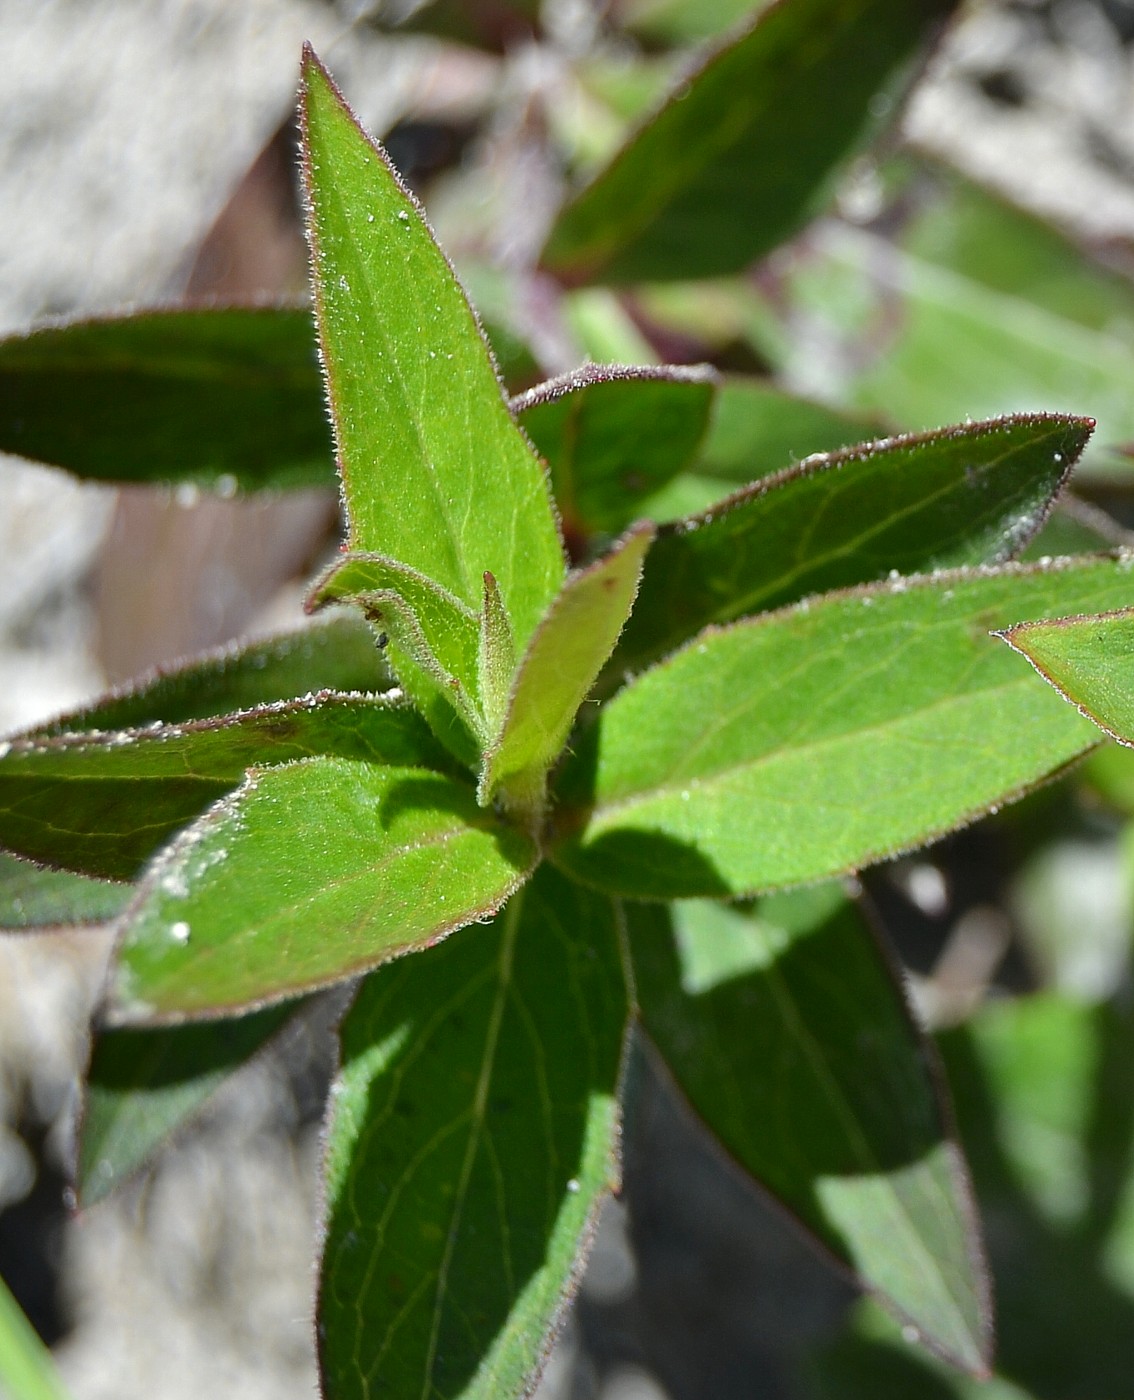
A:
34,897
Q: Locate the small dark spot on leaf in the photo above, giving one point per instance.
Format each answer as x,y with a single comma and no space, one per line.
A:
383,641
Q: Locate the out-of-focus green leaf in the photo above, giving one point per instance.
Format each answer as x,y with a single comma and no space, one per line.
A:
102,803
1090,661
679,21
220,395
967,495
971,308
143,1085
26,1369
436,473
613,435
336,653
33,897
472,1137
745,150
815,740
786,1030
558,669
309,874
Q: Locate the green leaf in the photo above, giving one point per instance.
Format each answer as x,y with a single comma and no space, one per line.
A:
435,472
972,494
102,803
558,670
144,1085
32,897
812,741
787,1031
1090,661
221,396
473,1135
309,874
336,653
745,150
27,1371
613,435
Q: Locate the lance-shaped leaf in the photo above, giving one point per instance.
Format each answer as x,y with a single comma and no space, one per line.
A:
144,1085
336,653
306,875
34,897
101,803
1090,661
972,494
559,668
812,741
436,474
745,150
613,436
224,395
473,1134
788,1033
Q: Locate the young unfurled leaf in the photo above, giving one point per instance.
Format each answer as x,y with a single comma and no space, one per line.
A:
102,803
787,1031
744,151
559,668
1090,661
143,1085
812,741
225,395
473,1134
972,494
309,874
34,897
436,474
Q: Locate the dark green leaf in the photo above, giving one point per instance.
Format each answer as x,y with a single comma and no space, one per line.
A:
102,803
435,471
226,396
32,897
789,1035
612,436
818,739
745,150
309,874
967,495
143,1085
473,1135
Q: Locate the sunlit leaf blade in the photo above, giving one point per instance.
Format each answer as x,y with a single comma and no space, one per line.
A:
559,668
336,653
228,395
102,803
815,740
34,897
435,472
472,1137
27,1371
306,875
745,150
788,1034
144,1085
972,494
1090,661
613,436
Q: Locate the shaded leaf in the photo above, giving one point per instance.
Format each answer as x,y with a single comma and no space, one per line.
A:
33,897
227,396
473,1134
306,875
143,1085
787,1032
1090,661
745,150
102,803
435,472
972,494
812,741
559,668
